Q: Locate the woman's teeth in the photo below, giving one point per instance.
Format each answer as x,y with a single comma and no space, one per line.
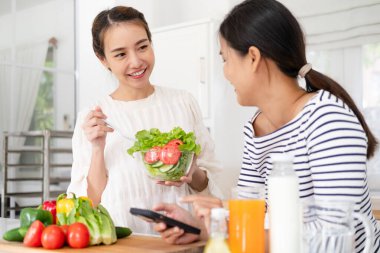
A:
138,73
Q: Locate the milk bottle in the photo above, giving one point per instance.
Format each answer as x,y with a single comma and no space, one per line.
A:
284,206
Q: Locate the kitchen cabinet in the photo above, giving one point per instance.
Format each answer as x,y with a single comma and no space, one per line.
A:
39,178
184,59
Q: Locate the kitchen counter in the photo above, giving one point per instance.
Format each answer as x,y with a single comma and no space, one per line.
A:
134,243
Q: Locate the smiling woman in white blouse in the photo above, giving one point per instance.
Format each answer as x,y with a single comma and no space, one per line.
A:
102,169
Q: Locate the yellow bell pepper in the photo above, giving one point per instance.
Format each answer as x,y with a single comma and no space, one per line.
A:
65,206
87,199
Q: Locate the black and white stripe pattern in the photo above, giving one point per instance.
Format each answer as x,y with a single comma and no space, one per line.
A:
329,146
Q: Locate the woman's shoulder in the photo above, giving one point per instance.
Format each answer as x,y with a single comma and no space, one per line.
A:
327,101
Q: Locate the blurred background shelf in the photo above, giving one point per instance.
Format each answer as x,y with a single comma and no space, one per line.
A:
36,168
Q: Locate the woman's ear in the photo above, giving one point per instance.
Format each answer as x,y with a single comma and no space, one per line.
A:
104,61
255,57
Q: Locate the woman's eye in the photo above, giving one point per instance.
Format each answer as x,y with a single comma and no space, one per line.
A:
120,55
143,47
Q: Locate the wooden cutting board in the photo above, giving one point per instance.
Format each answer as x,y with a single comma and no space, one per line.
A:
134,243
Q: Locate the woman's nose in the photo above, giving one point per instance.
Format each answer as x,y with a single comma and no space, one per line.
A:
134,60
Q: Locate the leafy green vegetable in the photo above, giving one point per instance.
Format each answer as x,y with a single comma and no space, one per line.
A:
97,220
154,137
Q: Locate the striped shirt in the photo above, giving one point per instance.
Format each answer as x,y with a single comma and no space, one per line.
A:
329,147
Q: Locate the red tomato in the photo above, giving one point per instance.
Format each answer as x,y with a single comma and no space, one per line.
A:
153,155
33,235
170,154
175,142
64,229
78,235
53,237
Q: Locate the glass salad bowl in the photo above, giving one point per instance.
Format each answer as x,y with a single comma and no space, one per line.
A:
167,156
167,163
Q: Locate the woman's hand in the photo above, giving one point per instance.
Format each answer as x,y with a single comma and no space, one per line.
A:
95,128
185,179
176,235
202,206
196,178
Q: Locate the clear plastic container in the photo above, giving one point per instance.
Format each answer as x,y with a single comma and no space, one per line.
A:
167,169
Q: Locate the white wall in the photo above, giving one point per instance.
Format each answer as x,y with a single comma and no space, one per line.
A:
93,79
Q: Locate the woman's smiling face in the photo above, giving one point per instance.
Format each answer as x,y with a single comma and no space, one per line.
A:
128,54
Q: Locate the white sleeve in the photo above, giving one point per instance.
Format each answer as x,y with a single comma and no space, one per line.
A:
206,160
81,159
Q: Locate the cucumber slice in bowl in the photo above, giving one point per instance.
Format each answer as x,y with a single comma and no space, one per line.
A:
166,167
157,164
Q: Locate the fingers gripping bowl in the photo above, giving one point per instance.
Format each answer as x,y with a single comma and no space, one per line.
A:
167,156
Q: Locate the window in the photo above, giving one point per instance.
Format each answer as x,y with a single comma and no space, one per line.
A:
371,102
43,115
371,75
37,71
357,69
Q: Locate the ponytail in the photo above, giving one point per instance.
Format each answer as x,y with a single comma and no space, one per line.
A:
316,81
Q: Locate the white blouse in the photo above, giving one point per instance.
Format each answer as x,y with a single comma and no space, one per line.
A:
128,184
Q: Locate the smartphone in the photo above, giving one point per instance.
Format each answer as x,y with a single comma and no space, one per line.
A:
153,216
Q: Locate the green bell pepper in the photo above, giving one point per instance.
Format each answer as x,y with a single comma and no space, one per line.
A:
28,215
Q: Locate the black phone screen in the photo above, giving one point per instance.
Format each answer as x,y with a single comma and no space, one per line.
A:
153,216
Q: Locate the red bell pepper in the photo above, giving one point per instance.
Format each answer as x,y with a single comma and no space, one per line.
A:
51,206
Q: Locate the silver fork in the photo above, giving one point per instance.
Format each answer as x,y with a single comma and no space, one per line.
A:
120,132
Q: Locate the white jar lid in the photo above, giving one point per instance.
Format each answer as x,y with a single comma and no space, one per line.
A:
282,157
219,213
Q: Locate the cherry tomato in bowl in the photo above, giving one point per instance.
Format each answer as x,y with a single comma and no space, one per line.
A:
167,163
170,154
175,142
152,155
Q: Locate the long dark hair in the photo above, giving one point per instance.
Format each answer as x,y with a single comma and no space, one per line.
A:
272,28
107,18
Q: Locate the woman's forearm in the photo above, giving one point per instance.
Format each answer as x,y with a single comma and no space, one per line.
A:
97,176
200,180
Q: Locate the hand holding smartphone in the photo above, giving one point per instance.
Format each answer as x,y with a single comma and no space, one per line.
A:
153,216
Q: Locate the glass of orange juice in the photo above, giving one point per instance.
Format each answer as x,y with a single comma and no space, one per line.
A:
246,220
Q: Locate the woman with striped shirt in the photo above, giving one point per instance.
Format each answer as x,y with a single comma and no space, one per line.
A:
263,49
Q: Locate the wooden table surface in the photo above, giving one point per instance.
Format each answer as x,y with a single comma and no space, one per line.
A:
134,243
